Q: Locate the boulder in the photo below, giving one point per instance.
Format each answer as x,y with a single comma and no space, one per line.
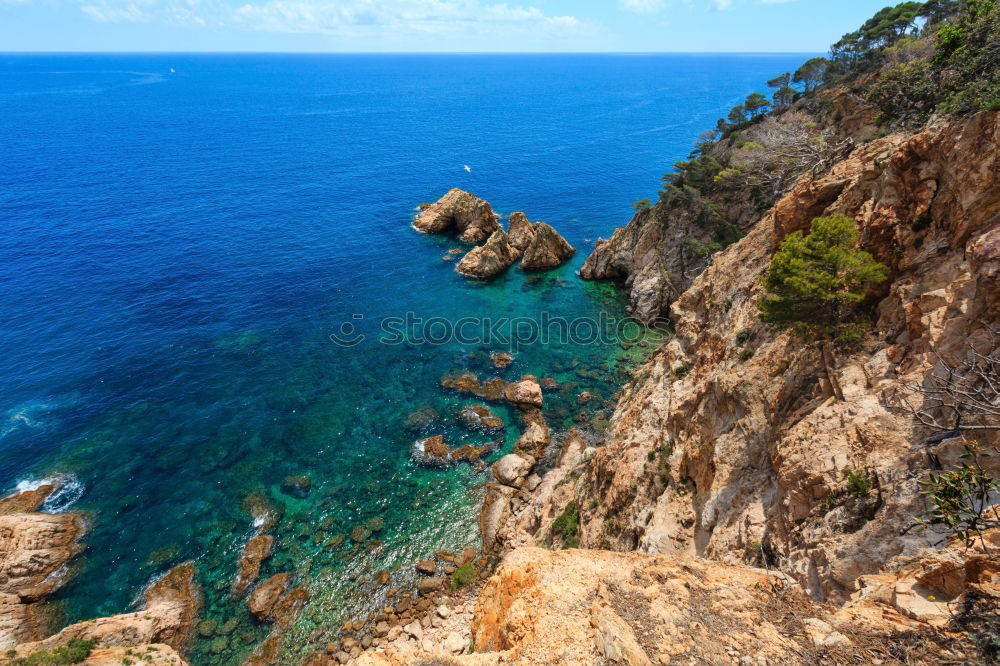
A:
426,567
534,440
512,470
490,259
256,550
520,231
264,600
525,393
428,586
454,643
460,213
547,249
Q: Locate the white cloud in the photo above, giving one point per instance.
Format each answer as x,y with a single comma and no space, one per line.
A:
351,17
721,5
429,16
641,6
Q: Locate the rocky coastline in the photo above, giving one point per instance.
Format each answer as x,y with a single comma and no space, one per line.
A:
749,497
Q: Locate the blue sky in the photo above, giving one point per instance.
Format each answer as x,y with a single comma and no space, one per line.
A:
428,25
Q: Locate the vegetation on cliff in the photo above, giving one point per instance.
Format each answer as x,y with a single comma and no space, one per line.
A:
817,280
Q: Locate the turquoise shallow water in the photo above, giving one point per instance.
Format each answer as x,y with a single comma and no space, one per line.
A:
177,249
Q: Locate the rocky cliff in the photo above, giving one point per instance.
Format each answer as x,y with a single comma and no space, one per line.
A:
756,498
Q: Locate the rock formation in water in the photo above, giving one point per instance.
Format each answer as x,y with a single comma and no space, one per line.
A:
35,549
520,231
490,259
461,214
547,249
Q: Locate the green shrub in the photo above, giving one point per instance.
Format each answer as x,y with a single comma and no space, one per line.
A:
641,205
816,281
858,485
680,371
962,496
463,575
567,526
75,651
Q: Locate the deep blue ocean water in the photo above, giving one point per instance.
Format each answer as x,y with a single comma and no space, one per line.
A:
177,248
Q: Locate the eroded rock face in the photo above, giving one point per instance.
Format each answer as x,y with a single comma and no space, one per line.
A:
34,548
490,259
752,449
520,231
546,250
460,213
169,609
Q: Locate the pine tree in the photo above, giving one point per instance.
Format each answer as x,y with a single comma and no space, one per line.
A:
816,281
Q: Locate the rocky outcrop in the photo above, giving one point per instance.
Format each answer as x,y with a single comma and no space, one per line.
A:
581,607
490,259
520,231
546,250
256,550
731,443
170,606
265,597
35,549
633,255
459,213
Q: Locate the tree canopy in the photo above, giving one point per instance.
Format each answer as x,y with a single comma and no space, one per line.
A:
817,280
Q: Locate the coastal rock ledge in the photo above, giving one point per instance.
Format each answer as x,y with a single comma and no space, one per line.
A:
459,213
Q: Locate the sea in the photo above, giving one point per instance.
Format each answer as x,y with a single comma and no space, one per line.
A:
209,283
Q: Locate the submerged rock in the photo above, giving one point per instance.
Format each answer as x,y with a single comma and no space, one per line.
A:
520,231
547,249
466,383
461,213
501,360
296,486
421,418
480,418
490,259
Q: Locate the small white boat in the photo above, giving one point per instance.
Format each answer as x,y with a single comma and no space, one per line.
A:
172,71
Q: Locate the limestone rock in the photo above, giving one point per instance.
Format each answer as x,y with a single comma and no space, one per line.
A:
460,213
426,567
490,259
520,231
546,250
